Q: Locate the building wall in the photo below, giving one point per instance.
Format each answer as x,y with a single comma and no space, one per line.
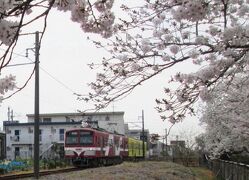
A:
111,121
25,140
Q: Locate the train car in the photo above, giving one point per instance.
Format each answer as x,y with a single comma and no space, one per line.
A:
135,149
93,147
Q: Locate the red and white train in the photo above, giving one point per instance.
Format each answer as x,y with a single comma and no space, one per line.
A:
93,147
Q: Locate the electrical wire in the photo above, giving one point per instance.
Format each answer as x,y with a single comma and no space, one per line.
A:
32,62
46,72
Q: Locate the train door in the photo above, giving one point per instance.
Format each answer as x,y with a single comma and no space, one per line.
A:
102,143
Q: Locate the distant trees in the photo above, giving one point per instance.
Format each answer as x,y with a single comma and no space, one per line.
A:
226,117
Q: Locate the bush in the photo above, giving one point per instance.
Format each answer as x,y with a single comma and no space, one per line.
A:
51,164
2,171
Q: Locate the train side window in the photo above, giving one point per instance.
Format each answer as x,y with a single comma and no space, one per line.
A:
102,141
99,141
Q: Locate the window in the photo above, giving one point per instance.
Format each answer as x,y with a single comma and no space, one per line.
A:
61,134
53,130
86,137
67,119
17,135
17,152
72,138
47,119
40,135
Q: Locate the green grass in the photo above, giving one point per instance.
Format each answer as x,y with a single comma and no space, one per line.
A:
203,173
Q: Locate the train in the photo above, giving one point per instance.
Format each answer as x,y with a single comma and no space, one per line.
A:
98,147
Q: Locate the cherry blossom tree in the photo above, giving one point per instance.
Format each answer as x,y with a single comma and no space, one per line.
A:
157,35
16,16
226,117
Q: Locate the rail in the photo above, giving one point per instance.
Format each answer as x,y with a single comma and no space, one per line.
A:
41,173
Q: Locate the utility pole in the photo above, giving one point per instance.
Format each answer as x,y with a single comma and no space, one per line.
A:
143,133
11,115
163,146
166,140
36,116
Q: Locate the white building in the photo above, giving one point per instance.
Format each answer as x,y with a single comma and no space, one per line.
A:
20,136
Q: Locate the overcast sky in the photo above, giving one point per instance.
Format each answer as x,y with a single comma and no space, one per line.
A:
64,55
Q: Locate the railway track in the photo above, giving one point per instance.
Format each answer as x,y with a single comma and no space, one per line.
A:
41,173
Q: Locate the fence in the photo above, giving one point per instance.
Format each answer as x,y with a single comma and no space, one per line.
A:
229,170
186,161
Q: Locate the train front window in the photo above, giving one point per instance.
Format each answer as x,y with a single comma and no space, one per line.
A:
86,137
72,138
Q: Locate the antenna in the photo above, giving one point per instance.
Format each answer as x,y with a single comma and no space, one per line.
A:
11,115
8,113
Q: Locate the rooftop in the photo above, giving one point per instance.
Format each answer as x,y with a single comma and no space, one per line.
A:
14,123
77,114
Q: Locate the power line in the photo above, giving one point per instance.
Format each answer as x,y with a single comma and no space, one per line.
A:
49,74
32,62
20,64
64,85
17,54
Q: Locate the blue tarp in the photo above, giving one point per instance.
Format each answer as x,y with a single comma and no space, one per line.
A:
13,165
